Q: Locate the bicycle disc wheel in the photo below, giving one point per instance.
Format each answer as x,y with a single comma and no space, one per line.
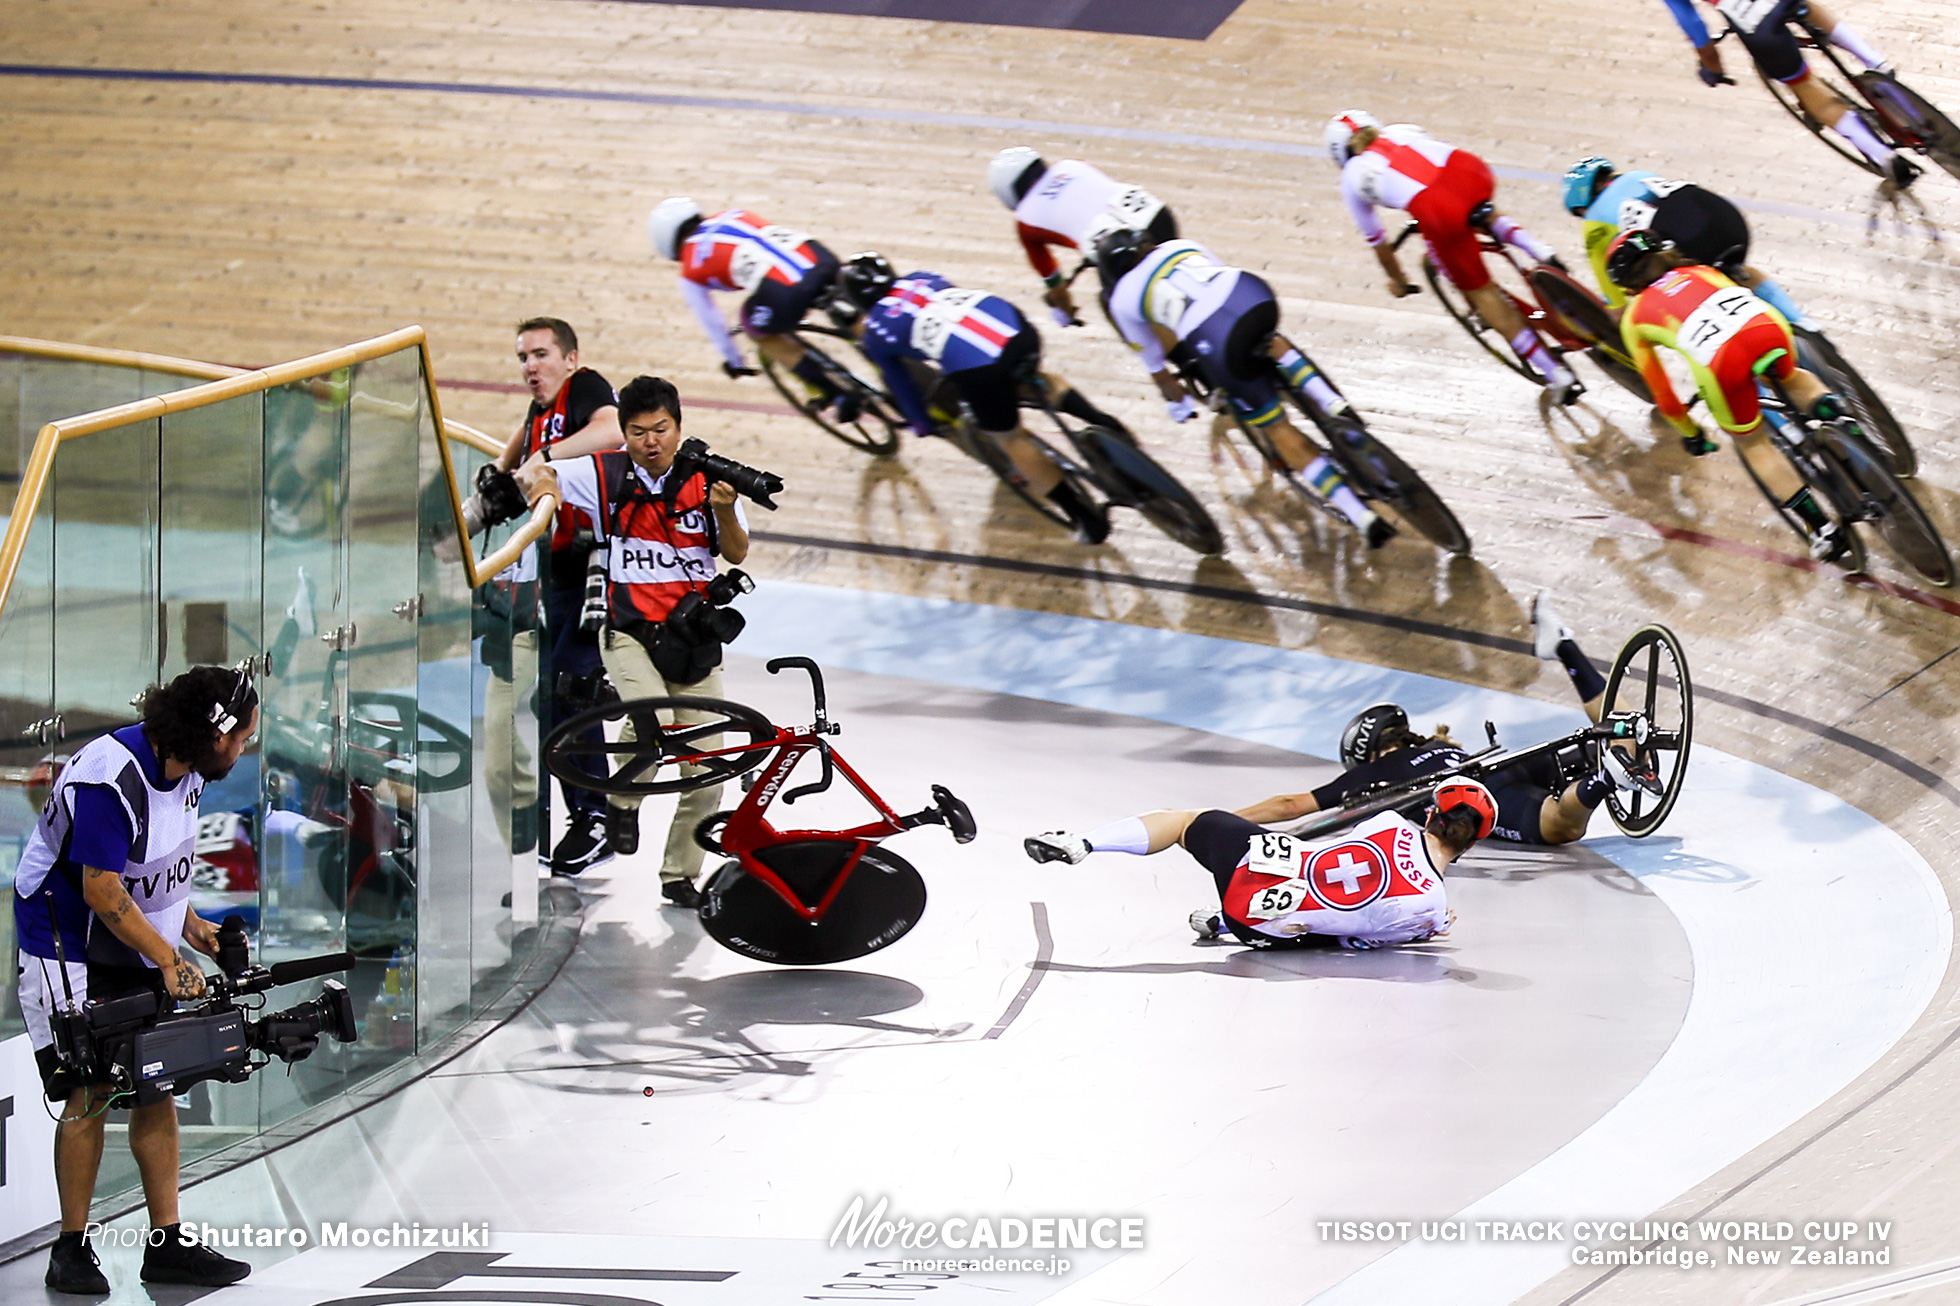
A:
1468,318
1915,120
1589,322
747,737
1817,354
877,906
1842,148
875,431
1650,677
1380,474
1136,480
1893,511
1854,561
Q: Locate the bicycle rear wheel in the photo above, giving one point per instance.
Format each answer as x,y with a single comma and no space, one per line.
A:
875,431
1378,473
877,906
1134,479
1589,321
1841,147
1817,354
1893,511
1470,320
1914,120
1830,499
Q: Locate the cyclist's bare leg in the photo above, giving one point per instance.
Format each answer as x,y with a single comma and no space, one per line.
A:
1770,467
1562,818
1319,472
1805,388
1035,466
1300,374
1828,108
784,351
1846,38
1498,312
1067,399
1508,231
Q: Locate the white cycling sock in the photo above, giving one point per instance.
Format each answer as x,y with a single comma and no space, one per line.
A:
1125,836
1853,129
1328,482
1512,234
1845,37
1532,350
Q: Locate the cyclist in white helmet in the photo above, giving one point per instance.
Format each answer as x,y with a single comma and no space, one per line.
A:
1069,205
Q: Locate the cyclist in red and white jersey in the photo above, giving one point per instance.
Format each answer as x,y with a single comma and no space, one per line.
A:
1448,192
781,271
1069,205
1377,884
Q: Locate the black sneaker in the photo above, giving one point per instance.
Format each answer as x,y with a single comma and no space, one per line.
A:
583,847
72,1268
681,893
171,1260
623,830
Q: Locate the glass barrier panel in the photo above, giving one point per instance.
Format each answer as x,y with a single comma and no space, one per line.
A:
26,729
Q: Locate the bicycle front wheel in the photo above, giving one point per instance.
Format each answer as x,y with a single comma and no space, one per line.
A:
1132,477
1915,120
878,422
1380,474
1817,354
1890,507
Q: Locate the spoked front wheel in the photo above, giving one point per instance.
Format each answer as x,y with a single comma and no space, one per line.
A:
1650,682
1890,507
1470,320
1914,120
721,739
1136,480
878,422
1816,353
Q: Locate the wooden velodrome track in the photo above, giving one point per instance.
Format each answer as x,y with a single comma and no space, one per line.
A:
254,220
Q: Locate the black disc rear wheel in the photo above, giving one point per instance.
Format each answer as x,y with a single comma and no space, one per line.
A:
1591,323
876,427
1817,354
1650,677
1914,119
1136,480
1893,511
880,902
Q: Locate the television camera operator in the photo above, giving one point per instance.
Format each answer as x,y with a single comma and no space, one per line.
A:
663,509
101,906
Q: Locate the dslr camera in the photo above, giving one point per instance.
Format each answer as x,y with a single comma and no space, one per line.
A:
134,1042
751,483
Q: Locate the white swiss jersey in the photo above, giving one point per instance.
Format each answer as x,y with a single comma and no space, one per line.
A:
1076,204
1370,886
1401,162
1177,286
163,843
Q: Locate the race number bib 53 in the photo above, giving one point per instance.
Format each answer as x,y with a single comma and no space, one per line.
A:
1715,321
1747,15
935,323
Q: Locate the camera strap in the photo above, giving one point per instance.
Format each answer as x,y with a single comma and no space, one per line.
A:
60,953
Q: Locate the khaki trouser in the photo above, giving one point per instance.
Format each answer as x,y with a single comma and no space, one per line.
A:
508,773
631,671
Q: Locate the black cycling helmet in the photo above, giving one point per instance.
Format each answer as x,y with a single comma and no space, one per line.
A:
1366,730
1117,252
865,279
1632,260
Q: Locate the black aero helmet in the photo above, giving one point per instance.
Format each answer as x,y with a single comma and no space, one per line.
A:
865,279
1632,261
1367,729
1117,252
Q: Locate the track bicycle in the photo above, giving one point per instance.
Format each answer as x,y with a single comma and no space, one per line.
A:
1373,470
788,897
876,426
1852,483
1898,115
1569,318
1647,714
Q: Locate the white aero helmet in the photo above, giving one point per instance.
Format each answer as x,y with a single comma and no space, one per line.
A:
1005,172
665,222
1341,129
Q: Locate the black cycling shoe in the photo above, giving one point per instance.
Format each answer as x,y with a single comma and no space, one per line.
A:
1092,527
72,1268
1380,531
1902,172
850,407
584,846
172,1260
623,830
681,893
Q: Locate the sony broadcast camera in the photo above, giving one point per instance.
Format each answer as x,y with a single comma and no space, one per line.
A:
749,482
137,1042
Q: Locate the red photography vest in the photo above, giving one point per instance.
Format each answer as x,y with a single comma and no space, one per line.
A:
655,553
546,425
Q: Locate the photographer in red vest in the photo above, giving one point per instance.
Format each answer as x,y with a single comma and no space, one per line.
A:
666,613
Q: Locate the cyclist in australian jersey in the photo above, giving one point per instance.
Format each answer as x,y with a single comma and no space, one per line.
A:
1176,300
983,348
1376,885
1729,339
1763,27
782,273
1702,225
1535,804
1069,205
1448,192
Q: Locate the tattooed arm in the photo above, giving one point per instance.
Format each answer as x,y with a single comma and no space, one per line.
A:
106,897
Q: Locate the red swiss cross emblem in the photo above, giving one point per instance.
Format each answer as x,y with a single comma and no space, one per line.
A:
1348,875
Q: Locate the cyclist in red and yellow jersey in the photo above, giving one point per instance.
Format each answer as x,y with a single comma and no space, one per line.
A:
1729,338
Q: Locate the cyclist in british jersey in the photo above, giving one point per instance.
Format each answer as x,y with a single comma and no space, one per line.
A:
1178,300
1729,339
1068,206
1378,884
782,273
983,347
1448,192
1703,226
1535,804
1763,27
